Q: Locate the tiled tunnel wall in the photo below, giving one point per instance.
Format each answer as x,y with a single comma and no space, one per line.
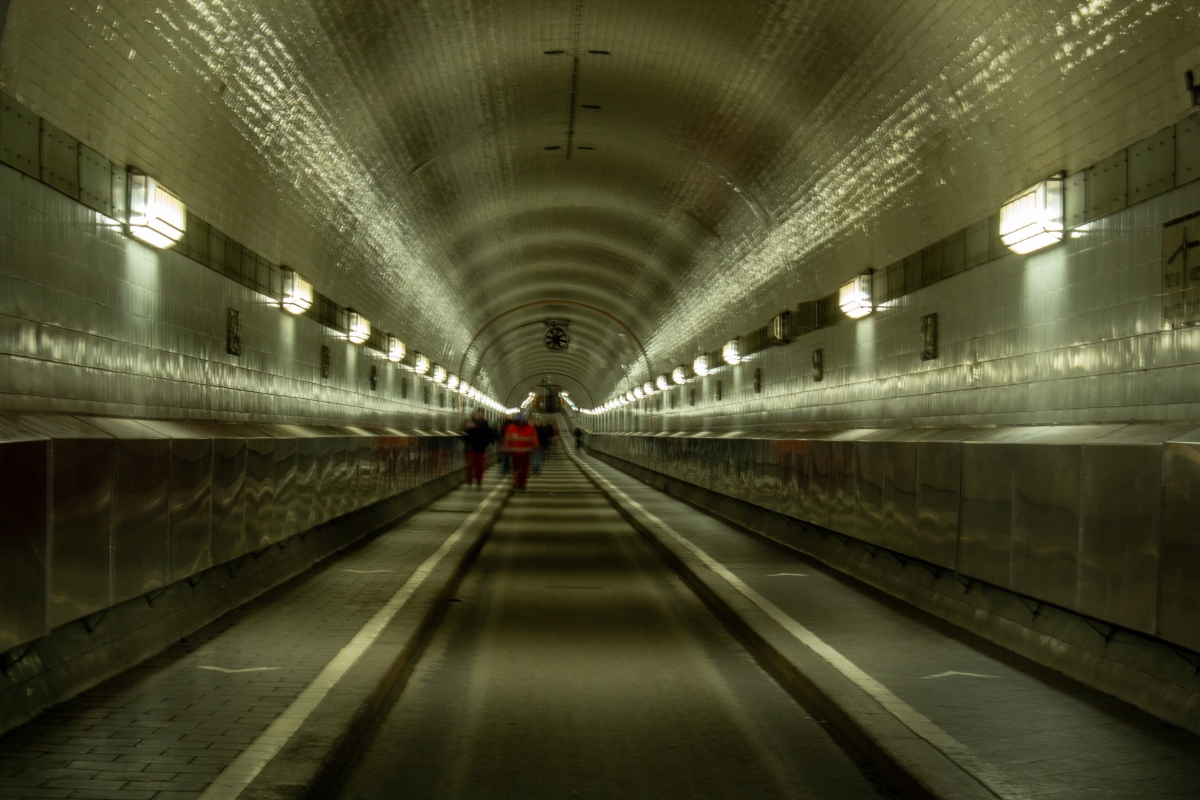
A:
1075,333
93,322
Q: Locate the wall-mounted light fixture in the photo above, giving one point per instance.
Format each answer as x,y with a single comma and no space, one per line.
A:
395,349
732,351
679,374
649,388
297,292
700,366
663,382
638,393
358,330
451,381
439,374
420,364
1034,218
855,297
156,216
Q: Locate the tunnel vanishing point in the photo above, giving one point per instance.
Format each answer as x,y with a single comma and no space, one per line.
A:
861,338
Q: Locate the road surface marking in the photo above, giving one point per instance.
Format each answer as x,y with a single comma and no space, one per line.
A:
953,672
245,768
235,671
915,721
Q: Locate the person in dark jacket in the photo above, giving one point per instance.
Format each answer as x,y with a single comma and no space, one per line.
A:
578,438
479,437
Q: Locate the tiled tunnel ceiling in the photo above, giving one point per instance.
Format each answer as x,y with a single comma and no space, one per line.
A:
665,172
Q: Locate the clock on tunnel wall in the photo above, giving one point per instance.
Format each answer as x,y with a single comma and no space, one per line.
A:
556,336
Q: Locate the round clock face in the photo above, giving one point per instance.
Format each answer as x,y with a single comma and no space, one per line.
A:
557,338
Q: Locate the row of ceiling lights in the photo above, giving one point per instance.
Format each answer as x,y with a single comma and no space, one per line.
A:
1029,221
159,218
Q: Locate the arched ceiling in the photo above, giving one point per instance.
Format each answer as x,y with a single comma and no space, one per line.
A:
668,172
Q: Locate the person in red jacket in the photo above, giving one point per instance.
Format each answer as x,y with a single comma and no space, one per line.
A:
520,441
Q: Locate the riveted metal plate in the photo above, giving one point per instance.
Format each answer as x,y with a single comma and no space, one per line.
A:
1152,166
20,137
1108,186
1187,150
95,180
1075,200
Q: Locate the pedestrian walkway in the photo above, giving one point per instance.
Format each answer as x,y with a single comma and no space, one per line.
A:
1032,732
169,727
578,665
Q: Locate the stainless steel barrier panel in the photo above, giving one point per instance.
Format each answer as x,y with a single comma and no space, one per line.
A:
901,490
1122,525
939,465
985,534
139,551
1047,511
1179,584
843,479
24,459
817,484
82,465
869,469
284,517
260,487
228,525
189,499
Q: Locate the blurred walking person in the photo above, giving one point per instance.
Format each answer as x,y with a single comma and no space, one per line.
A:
520,442
505,458
545,434
579,438
479,437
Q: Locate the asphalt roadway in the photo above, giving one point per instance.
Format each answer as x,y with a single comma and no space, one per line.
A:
575,664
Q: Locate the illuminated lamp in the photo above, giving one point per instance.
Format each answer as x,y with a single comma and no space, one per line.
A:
638,393
439,374
451,381
732,352
649,389
420,364
395,349
358,330
156,216
297,292
855,297
679,375
1034,218
663,382
464,388
700,366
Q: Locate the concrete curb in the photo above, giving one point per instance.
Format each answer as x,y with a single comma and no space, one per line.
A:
318,757
907,763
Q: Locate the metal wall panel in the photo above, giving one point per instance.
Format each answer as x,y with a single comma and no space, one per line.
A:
1179,588
1152,166
939,496
985,535
1107,186
228,525
284,517
1075,207
843,495
95,180
1047,512
818,491
260,488
869,472
189,499
24,461
60,160
1122,525
1187,150
901,484
83,460
140,508
20,135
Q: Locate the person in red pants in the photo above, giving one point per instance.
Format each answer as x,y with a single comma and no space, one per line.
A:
520,441
479,437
